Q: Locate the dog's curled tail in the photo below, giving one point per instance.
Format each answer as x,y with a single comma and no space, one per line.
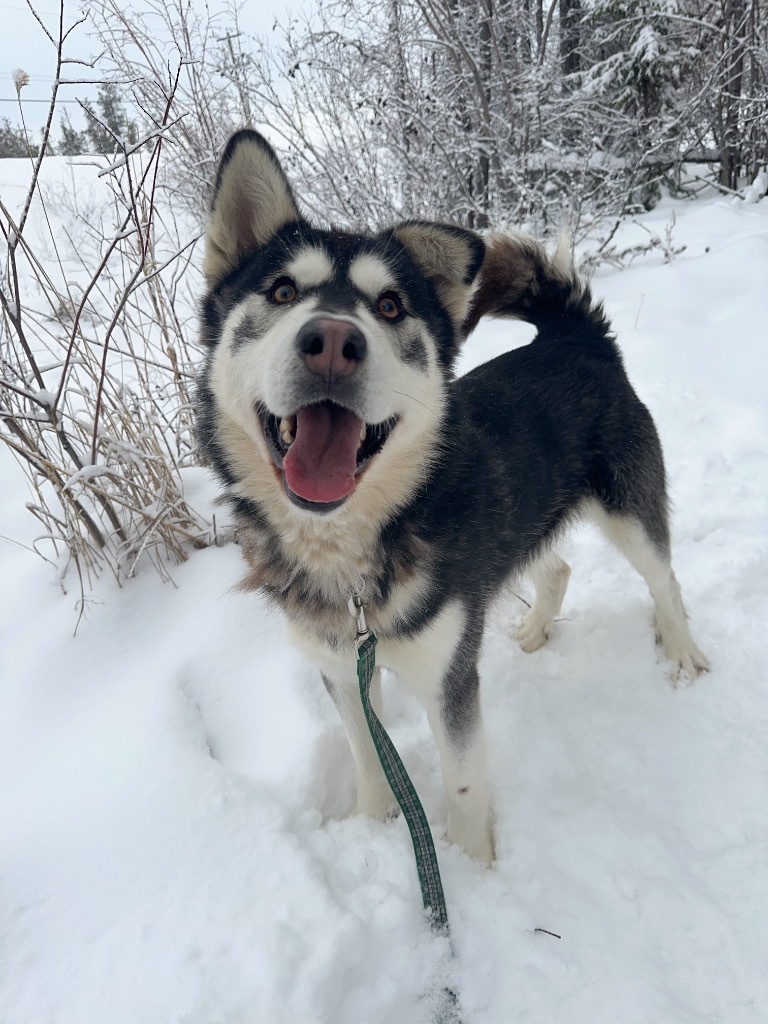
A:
520,280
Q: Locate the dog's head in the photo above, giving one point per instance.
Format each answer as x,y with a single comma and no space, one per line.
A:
330,350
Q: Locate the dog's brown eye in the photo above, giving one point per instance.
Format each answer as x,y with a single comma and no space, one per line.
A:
389,306
283,292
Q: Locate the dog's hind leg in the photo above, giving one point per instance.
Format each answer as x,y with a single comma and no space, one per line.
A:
651,558
550,575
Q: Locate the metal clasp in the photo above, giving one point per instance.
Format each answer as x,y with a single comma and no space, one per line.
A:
357,611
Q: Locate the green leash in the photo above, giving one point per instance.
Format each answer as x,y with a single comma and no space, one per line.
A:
407,797
405,794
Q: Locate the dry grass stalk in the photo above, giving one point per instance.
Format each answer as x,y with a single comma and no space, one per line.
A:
95,377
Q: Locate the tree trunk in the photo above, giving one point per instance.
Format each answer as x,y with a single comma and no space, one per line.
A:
484,160
570,36
734,19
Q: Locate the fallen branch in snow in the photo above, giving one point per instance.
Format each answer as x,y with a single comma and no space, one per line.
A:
623,257
720,188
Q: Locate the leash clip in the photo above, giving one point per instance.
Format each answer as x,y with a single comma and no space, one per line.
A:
357,611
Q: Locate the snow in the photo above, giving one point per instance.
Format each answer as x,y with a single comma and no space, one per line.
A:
86,473
20,78
176,782
47,398
754,193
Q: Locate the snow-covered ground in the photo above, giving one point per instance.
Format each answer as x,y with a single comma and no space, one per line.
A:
175,782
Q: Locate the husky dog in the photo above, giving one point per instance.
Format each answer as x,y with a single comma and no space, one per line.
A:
356,462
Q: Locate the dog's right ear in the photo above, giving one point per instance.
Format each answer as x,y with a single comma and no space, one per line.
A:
449,256
252,200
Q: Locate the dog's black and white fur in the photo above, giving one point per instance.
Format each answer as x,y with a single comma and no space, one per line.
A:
350,453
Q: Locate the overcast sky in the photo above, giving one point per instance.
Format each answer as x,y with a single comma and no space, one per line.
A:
24,45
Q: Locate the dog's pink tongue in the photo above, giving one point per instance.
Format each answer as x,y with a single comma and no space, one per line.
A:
320,464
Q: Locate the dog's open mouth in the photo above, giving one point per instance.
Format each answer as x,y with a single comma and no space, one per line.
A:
321,451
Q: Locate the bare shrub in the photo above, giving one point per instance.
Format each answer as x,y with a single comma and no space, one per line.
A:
95,372
137,47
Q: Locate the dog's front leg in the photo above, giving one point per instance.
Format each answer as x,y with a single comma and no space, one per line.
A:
339,672
439,667
454,715
374,796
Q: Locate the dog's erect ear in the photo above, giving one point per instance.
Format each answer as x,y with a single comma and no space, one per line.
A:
251,202
449,256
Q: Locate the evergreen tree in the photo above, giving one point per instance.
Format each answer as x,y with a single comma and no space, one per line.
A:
14,141
109,126
72,142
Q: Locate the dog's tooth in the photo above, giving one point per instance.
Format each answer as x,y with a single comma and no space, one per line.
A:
288,429
363,432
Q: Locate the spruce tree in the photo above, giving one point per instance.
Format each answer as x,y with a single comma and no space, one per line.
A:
14,141
72,142
109,126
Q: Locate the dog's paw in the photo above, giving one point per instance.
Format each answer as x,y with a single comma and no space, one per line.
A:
378,803
533,633
687,665
674,638
480,845
471,825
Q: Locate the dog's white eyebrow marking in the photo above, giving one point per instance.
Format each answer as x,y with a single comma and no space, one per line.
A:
310,267
371,275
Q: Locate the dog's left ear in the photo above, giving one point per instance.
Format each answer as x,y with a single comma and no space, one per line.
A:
252,200
449,256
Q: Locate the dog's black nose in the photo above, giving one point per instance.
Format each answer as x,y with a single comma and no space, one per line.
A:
331,348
